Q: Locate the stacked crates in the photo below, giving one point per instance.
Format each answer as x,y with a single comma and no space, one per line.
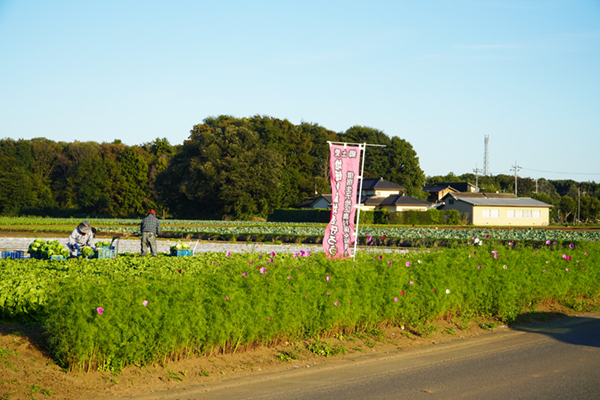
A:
181,253
15,254
106,252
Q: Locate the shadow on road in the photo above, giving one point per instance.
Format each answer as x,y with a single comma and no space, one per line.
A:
576,330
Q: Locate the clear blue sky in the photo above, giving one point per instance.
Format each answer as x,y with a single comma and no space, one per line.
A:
440,74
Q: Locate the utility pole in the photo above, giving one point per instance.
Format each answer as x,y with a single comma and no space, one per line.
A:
578,205
515,168
477,171
536,186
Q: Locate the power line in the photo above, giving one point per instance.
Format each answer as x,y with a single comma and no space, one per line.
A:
565,173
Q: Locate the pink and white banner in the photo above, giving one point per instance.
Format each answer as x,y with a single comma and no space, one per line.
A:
344,165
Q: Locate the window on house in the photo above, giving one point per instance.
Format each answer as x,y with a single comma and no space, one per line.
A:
510,213
519,213
536,213
526,213
494,213
485,213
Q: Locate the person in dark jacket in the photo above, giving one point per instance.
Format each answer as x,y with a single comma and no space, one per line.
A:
150,228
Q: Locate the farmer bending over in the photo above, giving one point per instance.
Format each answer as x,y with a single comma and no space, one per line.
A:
150,228
80,237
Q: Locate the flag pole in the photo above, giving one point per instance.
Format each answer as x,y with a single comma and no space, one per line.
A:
362,147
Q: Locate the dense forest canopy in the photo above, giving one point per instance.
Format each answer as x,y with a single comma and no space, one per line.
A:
229,166
236,167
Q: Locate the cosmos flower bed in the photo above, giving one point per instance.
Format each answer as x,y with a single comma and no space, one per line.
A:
132,310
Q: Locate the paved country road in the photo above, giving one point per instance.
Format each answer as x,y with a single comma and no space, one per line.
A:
555,360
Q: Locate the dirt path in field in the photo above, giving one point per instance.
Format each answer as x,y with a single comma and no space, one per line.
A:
27,370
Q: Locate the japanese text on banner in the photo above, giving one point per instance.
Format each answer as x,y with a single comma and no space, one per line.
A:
344,166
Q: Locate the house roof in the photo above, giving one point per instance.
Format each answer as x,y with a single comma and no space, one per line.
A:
496,199
404,201
308,203
437,189
460,186
380,184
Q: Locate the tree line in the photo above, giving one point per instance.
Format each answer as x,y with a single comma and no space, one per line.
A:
571,200
228,167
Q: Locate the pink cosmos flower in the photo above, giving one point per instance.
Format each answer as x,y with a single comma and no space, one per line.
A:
408,263
251,262
228,254
145,303
289,278
271,260
433,289
585,253
487,236
411,283
369,238
380,257
510,243
496,255
328,278
402,293
479,267
272,254
571,245
336,304
268,319
263,270
383,237
100,310
548,242
390,262
567,269
396,299
226,298
544,271
295,255
179,270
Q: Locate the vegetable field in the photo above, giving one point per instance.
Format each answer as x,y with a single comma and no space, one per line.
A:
234,230
109,313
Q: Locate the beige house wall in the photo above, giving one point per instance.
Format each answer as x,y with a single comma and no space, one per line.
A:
391,207
380,193
500,216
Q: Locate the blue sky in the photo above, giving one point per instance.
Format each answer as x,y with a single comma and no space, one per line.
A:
440,74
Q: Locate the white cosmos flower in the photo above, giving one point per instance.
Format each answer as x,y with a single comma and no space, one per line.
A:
447,291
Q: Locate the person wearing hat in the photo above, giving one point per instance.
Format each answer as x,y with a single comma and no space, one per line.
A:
80,237
150,228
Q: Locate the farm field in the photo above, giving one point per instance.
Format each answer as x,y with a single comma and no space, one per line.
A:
252,231
110,325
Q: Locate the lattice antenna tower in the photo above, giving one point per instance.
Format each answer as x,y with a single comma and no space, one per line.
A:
486,158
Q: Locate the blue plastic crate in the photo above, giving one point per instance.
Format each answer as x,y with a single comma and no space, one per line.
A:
15,254
57,258
181,253
104,252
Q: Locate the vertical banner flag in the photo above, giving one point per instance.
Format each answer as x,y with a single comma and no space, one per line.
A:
344,166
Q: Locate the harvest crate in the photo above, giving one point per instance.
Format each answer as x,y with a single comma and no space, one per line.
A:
181,253
57,258
15,254
106,252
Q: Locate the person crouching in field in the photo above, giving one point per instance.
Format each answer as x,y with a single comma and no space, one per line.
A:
80,237
150,228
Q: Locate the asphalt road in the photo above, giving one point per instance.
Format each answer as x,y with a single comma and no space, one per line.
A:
556,360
